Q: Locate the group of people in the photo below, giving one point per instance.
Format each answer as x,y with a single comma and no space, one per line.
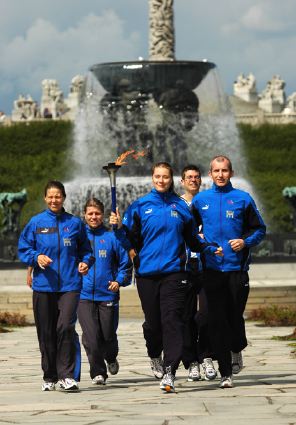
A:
190,256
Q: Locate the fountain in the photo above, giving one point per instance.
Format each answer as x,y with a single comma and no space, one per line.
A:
174,110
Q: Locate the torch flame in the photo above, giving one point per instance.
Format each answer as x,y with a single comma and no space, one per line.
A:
121,159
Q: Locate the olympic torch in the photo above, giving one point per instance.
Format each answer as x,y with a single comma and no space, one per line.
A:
112,169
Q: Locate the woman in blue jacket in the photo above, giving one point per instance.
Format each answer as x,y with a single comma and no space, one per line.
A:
99,300
160,228
55,244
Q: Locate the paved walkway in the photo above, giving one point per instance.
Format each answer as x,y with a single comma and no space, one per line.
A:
264,393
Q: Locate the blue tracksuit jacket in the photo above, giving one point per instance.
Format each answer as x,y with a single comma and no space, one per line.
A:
63,238
112,263
160,227
226,213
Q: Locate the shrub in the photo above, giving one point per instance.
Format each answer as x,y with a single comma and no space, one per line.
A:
274,315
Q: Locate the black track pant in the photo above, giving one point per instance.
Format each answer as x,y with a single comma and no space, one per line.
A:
55,317
163,300
227,294
99,321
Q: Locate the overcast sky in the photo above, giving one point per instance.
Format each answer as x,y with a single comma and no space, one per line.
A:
62,38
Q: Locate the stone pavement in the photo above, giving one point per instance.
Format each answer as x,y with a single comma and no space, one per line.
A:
264,392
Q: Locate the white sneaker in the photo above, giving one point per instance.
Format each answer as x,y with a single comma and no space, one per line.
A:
236,362
99,380
113,367
193,372
48,386
226,382
157,367
209,370
68,384
167,383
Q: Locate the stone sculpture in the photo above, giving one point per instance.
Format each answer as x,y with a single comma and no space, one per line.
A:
161,36
245,88
24,108
12,204
290,194
273,98
52,100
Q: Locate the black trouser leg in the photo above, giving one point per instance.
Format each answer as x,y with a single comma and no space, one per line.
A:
148,290
173,295
189,354
46,315
108,316
204,347
88,316
239,290
66,346
217,293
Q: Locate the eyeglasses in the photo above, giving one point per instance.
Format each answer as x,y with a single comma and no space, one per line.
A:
188,178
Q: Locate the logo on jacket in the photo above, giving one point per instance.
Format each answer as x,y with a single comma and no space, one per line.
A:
66,229
174,214
174,206
230,201
102,253
45,230
148,211
206,207
229,214
102,240
67,242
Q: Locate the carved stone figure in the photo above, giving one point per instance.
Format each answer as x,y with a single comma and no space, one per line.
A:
12,204
273,97
161,35
290,194
75,96
245,88
24,108
291,104
52,100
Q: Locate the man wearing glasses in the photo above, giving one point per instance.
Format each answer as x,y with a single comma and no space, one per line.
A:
196,349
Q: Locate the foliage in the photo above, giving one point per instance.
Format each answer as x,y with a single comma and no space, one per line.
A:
30,155
271,157
274,315
33,153
8,320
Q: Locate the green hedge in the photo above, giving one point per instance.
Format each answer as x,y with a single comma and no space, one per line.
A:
30,155
33,153
271,162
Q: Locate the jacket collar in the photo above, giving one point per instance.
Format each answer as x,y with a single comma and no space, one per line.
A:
223,189
55,215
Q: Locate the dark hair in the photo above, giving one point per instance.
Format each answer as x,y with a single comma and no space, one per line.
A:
190,167
94,202
221,158
55,184
168,166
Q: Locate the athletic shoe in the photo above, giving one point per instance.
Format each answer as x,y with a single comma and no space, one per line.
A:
167,383
209,370
157,367
193,372
68,384
236,362
48,386
226,382
99,380
113,367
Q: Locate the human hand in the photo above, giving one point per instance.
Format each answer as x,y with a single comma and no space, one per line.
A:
113,286
29,281
83,268
219,251
115,219
237,244
43,261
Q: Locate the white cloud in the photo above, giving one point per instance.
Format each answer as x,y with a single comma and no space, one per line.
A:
47,52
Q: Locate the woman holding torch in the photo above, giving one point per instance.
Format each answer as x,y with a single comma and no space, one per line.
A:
159,227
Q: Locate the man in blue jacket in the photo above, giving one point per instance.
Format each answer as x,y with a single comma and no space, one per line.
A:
229,218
